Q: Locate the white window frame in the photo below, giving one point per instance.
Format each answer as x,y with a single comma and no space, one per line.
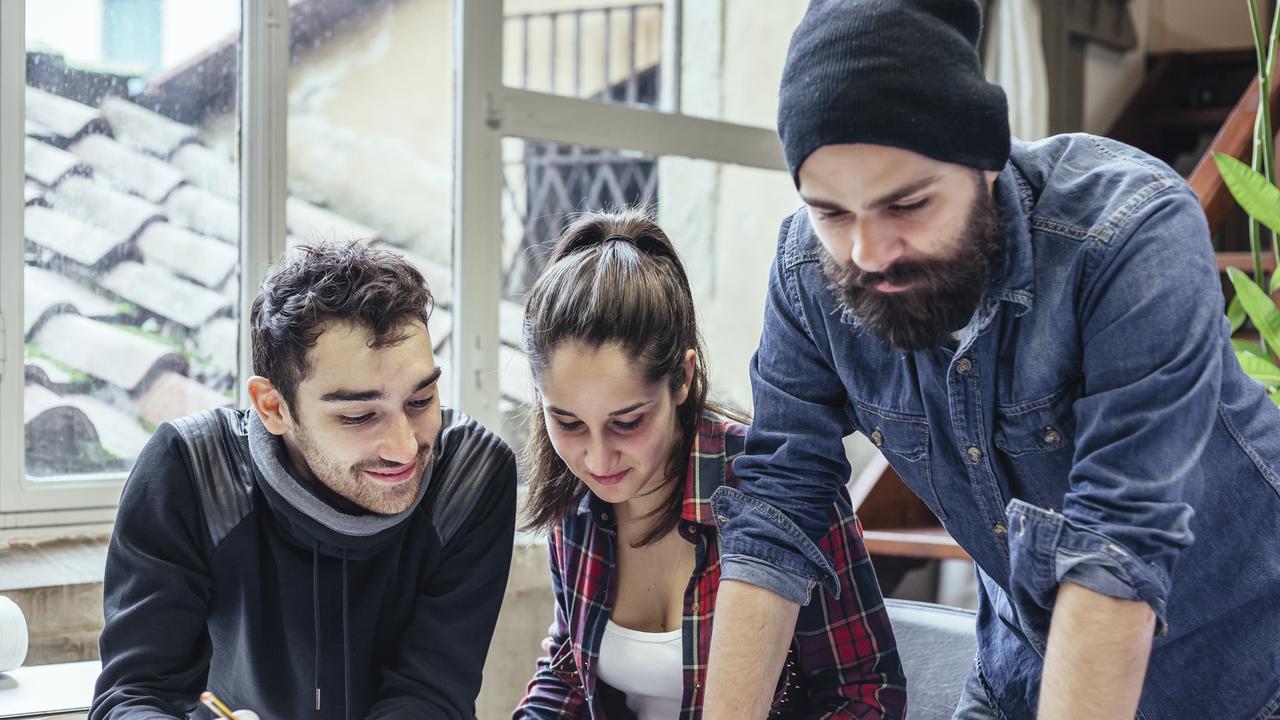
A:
29,506
486,111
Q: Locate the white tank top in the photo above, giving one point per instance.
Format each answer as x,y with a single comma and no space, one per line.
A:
648,667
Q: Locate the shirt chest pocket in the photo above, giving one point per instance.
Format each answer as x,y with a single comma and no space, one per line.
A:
1036,441
904,442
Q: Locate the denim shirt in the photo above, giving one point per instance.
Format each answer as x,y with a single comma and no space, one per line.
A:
1091,426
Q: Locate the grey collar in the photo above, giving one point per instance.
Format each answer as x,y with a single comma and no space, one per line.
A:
267,450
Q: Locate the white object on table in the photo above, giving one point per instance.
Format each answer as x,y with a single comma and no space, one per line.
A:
13,635
48,689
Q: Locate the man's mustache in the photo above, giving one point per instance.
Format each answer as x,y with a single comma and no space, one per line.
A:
903,272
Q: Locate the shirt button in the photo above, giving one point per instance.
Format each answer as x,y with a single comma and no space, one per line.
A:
1000,529
694,606
604,516
877,437
975,455
964,365
1051,436
697,686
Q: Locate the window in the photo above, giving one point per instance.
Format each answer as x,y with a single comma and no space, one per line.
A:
371,139
565,120
123,251
126,252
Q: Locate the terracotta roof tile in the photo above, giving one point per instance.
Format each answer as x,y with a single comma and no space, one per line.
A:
218,342
208,261
79,241
127,169
92,202
164,293
47,373
48,292
53,114
33,194
142,129
439,276
174,396
117,432
47,164
208,169
204,212
105,351
315,223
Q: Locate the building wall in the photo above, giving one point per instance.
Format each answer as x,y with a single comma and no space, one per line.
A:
187,28
1111,78
371,124
1191,25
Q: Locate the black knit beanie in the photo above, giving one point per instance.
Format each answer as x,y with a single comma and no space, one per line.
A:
903,73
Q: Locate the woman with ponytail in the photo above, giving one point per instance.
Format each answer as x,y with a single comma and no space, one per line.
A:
624,453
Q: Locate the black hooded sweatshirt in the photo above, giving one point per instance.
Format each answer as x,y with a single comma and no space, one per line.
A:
226,571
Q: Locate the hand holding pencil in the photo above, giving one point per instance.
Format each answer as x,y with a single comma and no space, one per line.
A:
220,709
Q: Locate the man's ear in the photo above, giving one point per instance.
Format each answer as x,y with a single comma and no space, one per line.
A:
270,405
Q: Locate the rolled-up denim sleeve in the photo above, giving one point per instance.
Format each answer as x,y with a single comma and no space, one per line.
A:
1153,338
794,461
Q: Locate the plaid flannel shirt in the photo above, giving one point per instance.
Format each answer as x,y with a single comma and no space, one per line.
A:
843,661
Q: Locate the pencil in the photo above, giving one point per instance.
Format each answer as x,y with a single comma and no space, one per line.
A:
213,703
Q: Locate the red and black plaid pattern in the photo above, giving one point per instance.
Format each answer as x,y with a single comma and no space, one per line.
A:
843,658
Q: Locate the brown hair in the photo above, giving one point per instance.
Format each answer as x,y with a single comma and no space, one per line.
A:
327,283
613,278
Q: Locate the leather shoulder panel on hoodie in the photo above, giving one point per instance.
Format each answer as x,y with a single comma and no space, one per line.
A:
221,467
470,461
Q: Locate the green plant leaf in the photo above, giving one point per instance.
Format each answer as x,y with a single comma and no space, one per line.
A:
1258,197
1235,314
1258,305
1248,347
1275,397
1264,371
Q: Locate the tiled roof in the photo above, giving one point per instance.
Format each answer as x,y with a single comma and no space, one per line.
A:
132,229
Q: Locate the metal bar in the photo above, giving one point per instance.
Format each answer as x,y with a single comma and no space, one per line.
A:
264,190
555,50
607,91
524,51
477,209
555,118
672,56
633,89
577,53
13,74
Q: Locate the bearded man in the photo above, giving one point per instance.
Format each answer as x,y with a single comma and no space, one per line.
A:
338,551
1032,334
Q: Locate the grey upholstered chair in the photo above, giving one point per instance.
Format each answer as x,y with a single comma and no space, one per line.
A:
936,644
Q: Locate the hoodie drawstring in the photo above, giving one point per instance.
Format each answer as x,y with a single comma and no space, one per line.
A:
346,647
346,631
315,608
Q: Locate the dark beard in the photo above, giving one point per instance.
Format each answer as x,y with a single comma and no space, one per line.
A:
946,290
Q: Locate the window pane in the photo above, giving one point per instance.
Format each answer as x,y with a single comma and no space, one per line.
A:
733,57
131,224
723,220
371,138
605,51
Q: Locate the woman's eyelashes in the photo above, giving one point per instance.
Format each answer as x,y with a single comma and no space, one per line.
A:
618,425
